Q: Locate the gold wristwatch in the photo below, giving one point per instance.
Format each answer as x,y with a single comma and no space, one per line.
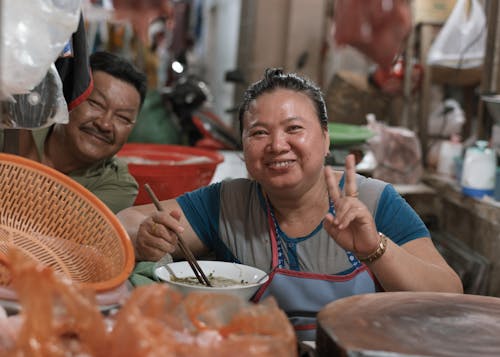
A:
382,246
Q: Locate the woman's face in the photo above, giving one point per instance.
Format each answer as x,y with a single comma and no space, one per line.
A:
283,142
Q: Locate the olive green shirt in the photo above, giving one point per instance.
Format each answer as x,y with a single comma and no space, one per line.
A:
109,180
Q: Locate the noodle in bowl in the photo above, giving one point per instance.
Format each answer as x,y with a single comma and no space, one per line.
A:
229,278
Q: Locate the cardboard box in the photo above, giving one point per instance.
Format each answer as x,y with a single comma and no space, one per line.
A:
432,11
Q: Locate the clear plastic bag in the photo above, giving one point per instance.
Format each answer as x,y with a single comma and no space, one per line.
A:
398,153
40,107
33,34
461,43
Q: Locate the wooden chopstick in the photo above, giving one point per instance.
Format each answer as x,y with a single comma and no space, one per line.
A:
200,275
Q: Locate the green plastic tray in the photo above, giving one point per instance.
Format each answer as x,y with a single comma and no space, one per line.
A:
348,134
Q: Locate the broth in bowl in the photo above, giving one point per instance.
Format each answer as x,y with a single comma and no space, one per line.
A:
229,278
216,281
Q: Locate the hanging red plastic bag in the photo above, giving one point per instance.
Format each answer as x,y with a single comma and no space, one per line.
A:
461,43
377,28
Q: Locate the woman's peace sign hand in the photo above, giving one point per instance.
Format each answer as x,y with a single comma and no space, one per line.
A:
352,227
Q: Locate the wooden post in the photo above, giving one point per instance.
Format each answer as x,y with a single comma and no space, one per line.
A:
426,37
490,83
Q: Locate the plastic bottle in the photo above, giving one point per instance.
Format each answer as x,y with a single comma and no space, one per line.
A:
449,150
479,170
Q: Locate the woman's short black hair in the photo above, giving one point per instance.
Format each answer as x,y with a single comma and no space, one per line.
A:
275,78
120,68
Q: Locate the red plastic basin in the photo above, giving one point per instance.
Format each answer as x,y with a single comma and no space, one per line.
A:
170,170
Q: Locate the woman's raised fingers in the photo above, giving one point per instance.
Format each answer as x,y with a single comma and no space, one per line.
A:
332,184
350,185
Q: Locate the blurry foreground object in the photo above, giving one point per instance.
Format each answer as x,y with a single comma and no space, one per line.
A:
377,28
62,319
33,34
410,324
56,221
43,106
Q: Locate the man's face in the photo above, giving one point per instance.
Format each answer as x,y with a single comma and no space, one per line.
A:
100,125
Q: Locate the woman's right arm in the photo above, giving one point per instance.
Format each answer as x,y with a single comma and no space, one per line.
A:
153,233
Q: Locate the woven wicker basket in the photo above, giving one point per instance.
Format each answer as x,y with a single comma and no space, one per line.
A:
56,221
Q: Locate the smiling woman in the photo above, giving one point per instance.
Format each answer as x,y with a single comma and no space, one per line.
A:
320,234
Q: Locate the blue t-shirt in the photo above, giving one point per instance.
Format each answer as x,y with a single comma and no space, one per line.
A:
231,219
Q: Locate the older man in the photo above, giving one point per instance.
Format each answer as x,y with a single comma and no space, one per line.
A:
85,148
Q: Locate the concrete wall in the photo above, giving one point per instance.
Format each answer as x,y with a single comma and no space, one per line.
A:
276,33
220,49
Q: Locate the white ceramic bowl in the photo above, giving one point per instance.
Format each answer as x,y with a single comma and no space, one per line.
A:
237,272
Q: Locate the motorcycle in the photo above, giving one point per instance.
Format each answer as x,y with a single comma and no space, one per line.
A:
188,98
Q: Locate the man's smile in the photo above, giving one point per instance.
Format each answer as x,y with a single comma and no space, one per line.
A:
97,134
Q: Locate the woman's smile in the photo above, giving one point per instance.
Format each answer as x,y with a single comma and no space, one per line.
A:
280,164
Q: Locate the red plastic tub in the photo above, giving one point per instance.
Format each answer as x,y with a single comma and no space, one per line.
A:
170,170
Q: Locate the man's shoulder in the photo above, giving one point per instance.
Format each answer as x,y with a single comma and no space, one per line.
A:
117,164
118,169
109,170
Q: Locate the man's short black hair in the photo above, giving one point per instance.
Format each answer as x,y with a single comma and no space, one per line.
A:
120,68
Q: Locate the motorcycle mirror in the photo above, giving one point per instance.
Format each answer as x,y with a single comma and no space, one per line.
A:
302,60
235,76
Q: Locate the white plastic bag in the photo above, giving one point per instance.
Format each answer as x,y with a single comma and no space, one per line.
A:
461,43
447,119
33,34
43,106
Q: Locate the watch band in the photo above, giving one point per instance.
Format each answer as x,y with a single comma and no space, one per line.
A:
382,246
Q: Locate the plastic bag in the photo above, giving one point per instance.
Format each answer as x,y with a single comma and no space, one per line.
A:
63,318
33,34
41,107
377,28
461,43
398,153
447,119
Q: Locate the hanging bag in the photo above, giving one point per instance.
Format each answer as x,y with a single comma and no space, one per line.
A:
461,42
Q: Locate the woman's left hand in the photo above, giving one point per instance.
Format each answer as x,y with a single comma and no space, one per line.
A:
352,227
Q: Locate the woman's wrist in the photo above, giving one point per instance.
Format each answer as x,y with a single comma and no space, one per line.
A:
378,252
